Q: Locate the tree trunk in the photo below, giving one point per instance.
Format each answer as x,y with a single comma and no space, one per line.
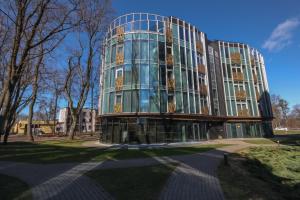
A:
29,120
55,110
72,127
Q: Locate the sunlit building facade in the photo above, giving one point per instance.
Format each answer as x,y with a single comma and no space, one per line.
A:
163,81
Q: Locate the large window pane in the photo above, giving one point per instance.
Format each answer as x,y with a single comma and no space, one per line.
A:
144,74
135,50
113,53
112,77
163,101
144,49
152,26
154,76
135,75
161,51
154,101
111,102
185,103
134,101
144,100
181,33
127,75
127,101
178,102
182,56
162,75
153,51
128,51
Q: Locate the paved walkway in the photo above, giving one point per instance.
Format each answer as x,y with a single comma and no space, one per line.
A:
194,178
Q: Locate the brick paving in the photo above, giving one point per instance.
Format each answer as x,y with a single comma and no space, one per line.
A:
194,178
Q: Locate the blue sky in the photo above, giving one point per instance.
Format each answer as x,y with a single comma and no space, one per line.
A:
271,26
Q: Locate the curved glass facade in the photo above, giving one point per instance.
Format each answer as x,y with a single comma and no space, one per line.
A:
163,81
154,64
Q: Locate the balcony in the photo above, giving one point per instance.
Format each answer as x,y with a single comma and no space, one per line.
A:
237,76
243,113
203,90
235,58
120,59
120,34
171,84
257,95
204,110
240,95
171,107
199,47
169,59
255,78
119,83
252,61
117,108
169,35
201,69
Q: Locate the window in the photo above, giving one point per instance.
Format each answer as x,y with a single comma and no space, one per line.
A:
178,102
154,101
118,98
144,25
153,51
163,101
163,75
113,53
181,33
111,102
161,27
161,51
185,103
127,101
182,56
136,25
127,75
144,100
144,49
134,101
144,74
153,76
135,49
128,52
152,26
119,72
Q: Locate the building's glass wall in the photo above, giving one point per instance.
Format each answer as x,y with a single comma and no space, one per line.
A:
154,64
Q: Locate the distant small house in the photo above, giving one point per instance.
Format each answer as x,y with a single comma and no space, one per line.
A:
38,127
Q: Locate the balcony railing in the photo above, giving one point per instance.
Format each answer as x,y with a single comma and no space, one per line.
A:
119,83
252,61
169,35
169,59
120,59
171,107
243,113
240,95
117,108
171,84
199,47
237,76
120,34
203,90
255,78
204,110
235,58
201,69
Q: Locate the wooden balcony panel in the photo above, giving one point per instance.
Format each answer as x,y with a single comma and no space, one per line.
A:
203,90
204,110
169,36
171,84
241,95
118,108
201,69
119,83
252,61
255,78
169,59
199,47
257,95
120,34
120,59
171,107
237,76
235,58
243,113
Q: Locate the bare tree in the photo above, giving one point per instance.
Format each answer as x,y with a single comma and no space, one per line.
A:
29,24
83,60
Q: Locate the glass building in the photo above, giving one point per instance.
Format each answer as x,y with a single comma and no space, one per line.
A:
162,80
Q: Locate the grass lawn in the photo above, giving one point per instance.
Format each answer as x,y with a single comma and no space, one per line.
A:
262,173
66,151
133,183
289,132
259,141
13,188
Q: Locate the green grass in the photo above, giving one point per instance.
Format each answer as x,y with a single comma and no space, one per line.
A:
13,188
259,141
262,173
289,132
55,152
133,183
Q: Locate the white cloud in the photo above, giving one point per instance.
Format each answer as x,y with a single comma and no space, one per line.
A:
281,35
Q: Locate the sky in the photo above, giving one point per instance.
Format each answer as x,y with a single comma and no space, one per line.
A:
271,26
